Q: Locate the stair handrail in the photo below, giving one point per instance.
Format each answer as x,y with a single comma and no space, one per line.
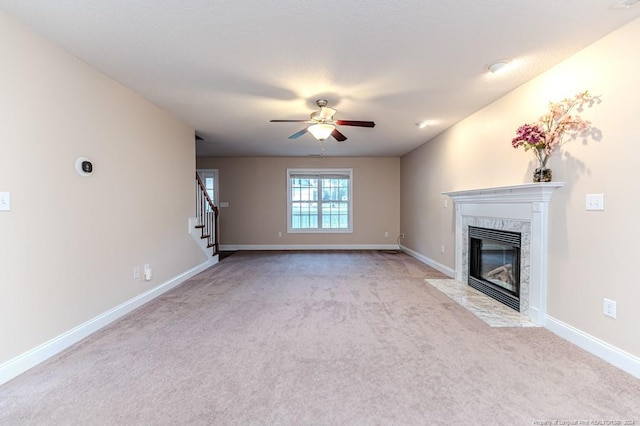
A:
208,223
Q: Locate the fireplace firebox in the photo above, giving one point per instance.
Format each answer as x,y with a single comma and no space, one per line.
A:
494,264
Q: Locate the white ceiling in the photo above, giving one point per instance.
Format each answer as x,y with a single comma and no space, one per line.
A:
228,67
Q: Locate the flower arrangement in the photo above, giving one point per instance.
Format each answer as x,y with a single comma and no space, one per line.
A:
548,134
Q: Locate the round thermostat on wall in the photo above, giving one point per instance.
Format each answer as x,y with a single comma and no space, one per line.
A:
84,166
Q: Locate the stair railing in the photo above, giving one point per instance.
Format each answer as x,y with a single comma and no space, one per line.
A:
207,215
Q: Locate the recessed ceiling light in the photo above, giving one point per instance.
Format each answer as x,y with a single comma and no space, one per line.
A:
423,124
625,4
499,64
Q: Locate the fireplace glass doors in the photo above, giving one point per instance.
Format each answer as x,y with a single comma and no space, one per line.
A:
494,264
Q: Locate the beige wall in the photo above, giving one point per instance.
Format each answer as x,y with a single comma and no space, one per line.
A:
256,190
592,255
69,244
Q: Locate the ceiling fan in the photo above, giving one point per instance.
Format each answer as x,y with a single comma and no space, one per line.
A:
323,125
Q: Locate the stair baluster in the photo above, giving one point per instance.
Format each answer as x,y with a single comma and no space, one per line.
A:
207,215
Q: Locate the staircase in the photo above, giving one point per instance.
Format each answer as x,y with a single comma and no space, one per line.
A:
206,219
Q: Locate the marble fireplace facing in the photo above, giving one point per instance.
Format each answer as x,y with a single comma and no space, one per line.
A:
519,209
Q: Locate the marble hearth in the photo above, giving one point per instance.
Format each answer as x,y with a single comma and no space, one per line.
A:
518,208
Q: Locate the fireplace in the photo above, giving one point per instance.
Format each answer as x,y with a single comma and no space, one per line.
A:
516,208
494,264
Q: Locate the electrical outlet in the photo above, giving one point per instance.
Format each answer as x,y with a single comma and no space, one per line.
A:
609,308
136,272
386,234
402,235
446,203
442,249
279,234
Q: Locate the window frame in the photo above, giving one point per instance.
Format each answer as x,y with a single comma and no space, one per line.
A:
320,172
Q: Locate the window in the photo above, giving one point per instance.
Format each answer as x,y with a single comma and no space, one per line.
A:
319,200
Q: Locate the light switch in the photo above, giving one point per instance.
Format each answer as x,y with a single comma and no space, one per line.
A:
595,202
224,204
5,201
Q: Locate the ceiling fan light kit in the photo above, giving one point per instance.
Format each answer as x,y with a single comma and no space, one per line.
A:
322,124
321,131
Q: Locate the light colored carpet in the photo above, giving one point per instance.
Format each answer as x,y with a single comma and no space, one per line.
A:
328,338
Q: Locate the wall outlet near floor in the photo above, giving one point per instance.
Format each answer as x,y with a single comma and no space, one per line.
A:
442,249
402,235
279,234
136,272
386,234
609,307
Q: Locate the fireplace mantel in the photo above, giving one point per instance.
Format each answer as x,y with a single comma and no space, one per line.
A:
517,207
528,193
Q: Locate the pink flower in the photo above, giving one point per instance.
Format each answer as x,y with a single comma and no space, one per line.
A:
528,134
549,132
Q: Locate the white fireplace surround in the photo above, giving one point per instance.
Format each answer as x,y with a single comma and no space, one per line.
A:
520,208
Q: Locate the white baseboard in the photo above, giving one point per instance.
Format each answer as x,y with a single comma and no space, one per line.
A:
18,365
35,356
613,355
236,247
435,265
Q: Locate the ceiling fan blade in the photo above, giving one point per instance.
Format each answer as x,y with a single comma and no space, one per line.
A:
289,121
355,123
338,136
298,134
